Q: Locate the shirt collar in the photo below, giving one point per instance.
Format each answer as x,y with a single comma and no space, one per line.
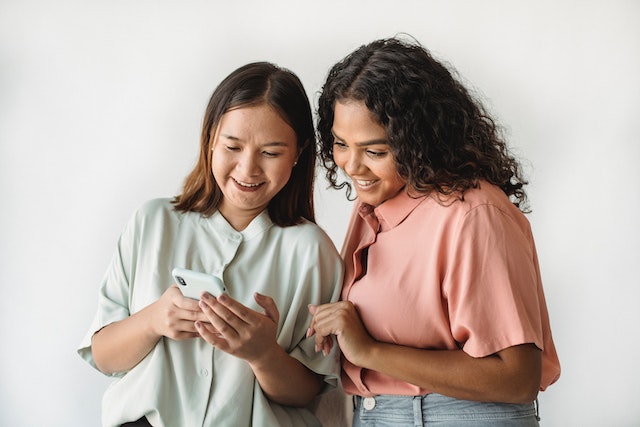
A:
256,227
393,211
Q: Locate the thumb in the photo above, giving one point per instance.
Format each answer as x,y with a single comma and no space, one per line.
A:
270,307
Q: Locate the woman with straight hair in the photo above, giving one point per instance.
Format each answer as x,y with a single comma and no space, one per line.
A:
246,216
443,317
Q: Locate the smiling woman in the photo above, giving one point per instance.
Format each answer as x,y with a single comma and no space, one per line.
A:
254,151
246,216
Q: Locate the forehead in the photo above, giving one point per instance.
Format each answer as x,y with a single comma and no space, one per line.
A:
352,120
256,122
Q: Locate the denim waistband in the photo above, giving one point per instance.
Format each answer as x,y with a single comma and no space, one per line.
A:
391,410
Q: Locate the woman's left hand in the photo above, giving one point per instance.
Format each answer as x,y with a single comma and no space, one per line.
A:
237,329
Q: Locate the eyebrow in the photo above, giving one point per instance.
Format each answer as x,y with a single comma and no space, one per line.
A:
268,144
364,143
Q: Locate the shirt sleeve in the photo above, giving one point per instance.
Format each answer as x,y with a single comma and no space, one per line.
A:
321,279
114,292
492,281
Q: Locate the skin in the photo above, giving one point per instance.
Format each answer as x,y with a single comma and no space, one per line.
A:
510,376
253,155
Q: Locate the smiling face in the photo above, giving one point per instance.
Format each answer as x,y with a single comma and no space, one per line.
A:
360,149
254,151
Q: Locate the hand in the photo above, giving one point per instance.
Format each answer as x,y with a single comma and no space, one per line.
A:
173,315
239,330
342,320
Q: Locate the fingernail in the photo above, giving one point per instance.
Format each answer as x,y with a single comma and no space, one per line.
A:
222,298
308,332
317,348
325,353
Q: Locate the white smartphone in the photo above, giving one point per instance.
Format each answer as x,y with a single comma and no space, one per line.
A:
194,283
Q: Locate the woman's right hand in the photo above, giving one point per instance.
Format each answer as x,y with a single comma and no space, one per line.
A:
174,315
342,320
121,345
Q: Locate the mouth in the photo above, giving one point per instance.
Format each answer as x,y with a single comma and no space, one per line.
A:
365,183
247,186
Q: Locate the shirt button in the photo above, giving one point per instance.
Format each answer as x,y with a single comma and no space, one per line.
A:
369,403
204,372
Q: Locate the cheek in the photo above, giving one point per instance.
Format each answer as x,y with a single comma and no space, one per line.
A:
339,159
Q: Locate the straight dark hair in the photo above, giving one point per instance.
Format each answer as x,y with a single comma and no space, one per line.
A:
251,85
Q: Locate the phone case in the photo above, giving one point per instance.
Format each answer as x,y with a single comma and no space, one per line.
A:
194,283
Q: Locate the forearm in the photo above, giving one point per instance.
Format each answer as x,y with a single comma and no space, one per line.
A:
510,376
285,380
121,345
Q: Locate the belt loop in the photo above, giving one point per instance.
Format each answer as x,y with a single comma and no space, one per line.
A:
536,405
417,411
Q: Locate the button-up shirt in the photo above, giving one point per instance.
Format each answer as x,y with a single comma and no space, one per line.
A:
444,274
190,383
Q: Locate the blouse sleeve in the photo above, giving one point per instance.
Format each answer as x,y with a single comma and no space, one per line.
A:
491,287
320,273
114,292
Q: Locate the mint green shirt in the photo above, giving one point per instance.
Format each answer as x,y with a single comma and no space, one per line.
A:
190,383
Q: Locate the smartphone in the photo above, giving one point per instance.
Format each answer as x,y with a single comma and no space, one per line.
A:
194,283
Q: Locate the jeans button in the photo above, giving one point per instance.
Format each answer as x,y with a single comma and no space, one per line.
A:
369,403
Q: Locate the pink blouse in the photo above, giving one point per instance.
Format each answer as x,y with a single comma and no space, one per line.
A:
445,275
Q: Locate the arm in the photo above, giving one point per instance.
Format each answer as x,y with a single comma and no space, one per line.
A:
511,375
121,345
251,336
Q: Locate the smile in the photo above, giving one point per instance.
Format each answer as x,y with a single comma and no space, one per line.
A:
247,185
365,183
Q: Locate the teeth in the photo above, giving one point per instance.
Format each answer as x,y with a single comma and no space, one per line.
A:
362,183
248,185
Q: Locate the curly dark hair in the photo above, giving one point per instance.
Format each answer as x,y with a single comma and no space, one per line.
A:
441,137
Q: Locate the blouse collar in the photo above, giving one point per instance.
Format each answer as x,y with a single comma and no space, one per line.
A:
393,211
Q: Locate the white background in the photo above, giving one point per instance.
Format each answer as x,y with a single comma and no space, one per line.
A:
100,110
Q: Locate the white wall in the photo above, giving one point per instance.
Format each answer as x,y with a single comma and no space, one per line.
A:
100,109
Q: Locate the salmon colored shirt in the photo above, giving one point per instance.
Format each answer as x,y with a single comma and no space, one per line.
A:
454,275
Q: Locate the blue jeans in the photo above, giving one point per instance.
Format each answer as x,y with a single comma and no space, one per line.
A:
438,410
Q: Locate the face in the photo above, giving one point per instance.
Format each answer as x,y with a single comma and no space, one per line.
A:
360,149
254,152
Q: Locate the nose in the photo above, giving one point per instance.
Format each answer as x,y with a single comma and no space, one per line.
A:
352,163
249,164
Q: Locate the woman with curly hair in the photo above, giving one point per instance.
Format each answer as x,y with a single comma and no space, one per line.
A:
443,315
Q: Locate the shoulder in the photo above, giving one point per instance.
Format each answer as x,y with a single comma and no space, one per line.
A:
155,213
489,207
306,234
156,208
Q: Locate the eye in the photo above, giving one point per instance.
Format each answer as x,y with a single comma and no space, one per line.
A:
377,154
339,144
232,148
270,154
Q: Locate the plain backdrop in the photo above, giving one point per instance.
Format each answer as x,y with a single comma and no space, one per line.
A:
100,109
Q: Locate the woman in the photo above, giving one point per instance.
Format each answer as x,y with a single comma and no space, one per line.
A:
443,315
245,215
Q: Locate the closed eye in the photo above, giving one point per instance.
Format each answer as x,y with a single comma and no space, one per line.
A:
377,154
341,145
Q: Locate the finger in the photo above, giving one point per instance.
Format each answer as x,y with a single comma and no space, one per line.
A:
209,334
221,318
234,310
269,305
